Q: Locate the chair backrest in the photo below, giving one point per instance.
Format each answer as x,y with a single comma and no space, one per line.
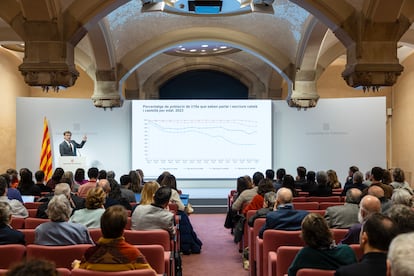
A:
357,250
299,199
306,205
285,256
63,271
63,256
138,272
273,239
253,232
10,254
95,234
32,223
29,235
154,253
17,223
338,234
320,212
129,223
32,212
32,205
324,198
324,205
314,271
156,236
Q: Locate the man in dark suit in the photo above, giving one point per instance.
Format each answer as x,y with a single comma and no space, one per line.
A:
376,236
8,235
285,217
68,147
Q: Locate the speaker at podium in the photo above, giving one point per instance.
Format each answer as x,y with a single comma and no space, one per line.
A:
71,163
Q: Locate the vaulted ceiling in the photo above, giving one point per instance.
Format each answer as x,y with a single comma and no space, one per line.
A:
128,48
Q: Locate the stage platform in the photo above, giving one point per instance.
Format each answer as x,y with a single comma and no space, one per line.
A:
207,200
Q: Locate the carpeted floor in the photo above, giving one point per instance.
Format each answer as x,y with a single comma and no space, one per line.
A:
219,254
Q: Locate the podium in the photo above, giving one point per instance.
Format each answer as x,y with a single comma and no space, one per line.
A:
71,163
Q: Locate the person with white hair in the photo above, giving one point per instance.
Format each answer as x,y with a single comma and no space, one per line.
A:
400,255
59,231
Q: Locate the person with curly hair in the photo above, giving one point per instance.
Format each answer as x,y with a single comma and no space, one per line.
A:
91,215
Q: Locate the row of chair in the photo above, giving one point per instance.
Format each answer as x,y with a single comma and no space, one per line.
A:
273,239
63,256
84,272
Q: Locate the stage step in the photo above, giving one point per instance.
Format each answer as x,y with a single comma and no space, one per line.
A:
209,205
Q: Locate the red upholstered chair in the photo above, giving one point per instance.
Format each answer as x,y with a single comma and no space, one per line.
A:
320,212
160,237
284,257
154,253
306,205
273,239
338,234
17,223
253,232
357,250
299,199
3,271
10,254
95,234
314,271
63,271
129,223
138,272
32,212
324,205
63,256
32,205
245,240
324,198
29,235
32,223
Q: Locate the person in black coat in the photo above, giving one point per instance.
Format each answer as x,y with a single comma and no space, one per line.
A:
8,235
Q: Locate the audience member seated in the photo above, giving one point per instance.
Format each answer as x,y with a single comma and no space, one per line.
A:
168,180
246,196
17,208
268,205
33,267
156,215
76,202
401,255
280,173
270,174
378,192
265,186
402,196
126,191
369,205
376,236
91,215
284,216
344,216
148,192
12,193
93,178
113,253
289,182
13,177
322,188
55,179
136,181
377,174
8,235
26,184
59,231
356,183
403,216
40,182
349,179
333,181
320,251
300,180
310,184
114,195
399,181
79,178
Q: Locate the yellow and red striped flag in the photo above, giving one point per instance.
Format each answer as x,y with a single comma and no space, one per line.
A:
46,153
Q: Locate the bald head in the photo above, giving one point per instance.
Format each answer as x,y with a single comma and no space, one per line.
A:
62,189
283,196
376,191
105,185
370,205
353,195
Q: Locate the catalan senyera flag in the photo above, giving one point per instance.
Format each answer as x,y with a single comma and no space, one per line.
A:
46,152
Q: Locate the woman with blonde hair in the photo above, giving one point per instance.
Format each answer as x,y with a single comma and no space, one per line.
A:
148,192
91,215
333,181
